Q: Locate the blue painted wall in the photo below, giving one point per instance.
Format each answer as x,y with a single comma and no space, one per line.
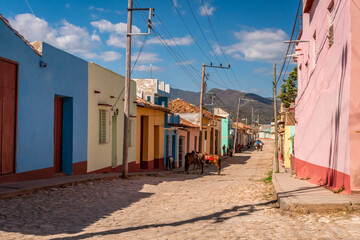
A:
65,75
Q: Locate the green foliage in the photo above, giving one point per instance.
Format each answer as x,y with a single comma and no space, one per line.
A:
288,90
269,178
340,189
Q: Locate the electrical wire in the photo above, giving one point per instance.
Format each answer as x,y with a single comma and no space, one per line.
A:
221,49
186,26
180,52
173,53
30,7
287,51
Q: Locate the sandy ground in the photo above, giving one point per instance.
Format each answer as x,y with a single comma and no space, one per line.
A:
238,204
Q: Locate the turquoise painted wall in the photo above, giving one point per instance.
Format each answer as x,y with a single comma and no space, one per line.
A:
225,134
65,75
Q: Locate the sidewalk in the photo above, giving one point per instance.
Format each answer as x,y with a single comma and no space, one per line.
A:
301,196
8,190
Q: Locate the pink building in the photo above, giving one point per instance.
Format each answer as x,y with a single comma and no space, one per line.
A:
327,139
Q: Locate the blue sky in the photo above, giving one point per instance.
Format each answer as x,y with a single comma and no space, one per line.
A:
250,33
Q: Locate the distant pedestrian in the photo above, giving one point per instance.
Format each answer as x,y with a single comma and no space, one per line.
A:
224,152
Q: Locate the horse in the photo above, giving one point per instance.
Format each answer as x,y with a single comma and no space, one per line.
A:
196,159
213,159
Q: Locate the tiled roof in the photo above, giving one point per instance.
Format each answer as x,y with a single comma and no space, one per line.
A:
143,103
241,126
18,34
180,106
187,123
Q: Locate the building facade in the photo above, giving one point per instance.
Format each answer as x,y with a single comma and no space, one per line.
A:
44,106
106,121
327,112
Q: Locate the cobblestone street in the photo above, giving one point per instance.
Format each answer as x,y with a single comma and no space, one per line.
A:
236,205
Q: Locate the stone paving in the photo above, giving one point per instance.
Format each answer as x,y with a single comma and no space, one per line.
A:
238,204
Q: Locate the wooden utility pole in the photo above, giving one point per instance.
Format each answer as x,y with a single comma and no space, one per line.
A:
237,122
201,107
127,81
276,157
201,99
127,92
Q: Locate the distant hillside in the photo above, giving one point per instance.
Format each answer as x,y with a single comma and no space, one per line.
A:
229,101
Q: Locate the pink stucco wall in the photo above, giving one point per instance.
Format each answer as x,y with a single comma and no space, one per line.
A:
354,117
322,105
193,132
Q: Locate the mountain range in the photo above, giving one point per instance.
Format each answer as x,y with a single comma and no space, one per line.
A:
228,100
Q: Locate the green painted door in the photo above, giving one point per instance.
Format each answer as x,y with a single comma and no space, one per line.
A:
114,142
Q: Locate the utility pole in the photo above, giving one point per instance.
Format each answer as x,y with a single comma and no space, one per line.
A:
201,107
127,80
237,122
276,157
201,99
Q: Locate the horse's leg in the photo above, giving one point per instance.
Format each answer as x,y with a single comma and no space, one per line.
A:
202,167
219,166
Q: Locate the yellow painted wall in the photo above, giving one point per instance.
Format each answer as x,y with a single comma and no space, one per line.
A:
287,147
155,118
109,84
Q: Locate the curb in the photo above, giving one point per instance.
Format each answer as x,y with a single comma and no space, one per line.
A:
291,203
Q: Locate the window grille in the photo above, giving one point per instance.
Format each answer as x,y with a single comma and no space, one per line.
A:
104,136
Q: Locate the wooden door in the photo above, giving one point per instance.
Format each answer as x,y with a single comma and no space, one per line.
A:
58,124
8,89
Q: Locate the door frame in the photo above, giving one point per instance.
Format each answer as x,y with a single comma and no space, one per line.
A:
16,110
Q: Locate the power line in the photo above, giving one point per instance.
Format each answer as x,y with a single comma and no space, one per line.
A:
183,21
292,35
218,42
30,7
201,30
170,50
175,43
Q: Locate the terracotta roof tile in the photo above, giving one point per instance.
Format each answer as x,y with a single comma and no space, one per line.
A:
180,106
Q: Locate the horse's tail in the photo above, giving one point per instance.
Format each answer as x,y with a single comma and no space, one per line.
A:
186,162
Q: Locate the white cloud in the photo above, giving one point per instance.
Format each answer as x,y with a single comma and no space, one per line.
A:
67,5
147,57
117,37
67,37
94,16
184,41
147,68
257,45
95,37
98,9
206,8
109,56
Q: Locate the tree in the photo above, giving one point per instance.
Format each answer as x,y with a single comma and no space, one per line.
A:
288,90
